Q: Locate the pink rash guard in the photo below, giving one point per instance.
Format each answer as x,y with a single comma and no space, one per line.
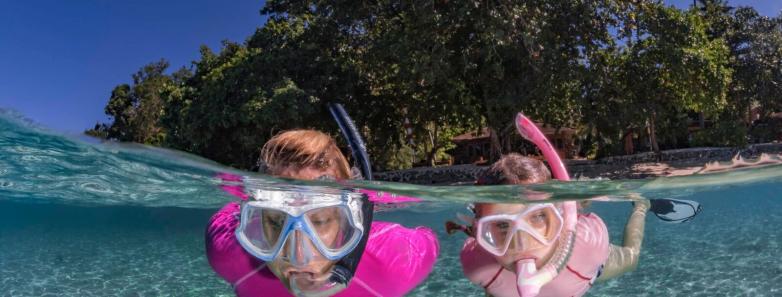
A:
395,260
590,252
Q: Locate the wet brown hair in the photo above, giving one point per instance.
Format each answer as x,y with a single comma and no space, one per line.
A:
513,169
303,148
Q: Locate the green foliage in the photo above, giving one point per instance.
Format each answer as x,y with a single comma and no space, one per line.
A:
136,109
756,44
766,130
675,67
724,133
604,67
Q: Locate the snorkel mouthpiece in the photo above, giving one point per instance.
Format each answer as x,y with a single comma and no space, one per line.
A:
306,286
337,281
525,270
529,280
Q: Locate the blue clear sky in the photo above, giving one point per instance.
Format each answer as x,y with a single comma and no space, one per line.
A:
59,59
764,7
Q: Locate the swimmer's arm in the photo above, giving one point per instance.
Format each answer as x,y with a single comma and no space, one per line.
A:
622,259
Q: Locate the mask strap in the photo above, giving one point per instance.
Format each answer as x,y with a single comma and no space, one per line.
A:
248,275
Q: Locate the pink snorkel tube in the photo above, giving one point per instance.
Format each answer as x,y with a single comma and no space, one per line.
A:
529,278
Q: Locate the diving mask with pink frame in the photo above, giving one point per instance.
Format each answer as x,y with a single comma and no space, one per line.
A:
541,223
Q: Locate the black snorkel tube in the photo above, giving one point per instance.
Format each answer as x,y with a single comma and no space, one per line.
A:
345,268
356,143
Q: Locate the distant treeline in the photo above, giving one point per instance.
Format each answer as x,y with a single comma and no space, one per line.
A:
607,68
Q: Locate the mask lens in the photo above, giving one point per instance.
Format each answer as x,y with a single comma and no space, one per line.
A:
534,227
543,224
263,228
496,234
332,227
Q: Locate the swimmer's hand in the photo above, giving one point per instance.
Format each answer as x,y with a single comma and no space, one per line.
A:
641,205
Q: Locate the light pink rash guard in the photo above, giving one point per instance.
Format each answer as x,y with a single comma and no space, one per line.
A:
590,252
395,260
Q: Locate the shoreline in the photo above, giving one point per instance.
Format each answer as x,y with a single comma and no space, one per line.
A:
637,166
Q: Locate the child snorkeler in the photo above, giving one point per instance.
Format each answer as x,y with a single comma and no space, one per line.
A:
308,243
543,249
514,243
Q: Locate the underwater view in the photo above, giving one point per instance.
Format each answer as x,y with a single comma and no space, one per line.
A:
499,148
84,219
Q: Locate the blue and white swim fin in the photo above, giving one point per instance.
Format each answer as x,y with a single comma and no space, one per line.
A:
673,210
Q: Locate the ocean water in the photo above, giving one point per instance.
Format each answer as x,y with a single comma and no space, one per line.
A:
86,219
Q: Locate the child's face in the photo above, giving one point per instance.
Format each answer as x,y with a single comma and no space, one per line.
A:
522,245
317,267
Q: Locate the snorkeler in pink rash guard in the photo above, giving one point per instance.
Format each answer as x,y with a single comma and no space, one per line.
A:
542,249
382,271
282,243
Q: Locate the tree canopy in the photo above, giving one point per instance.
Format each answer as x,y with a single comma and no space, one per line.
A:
603,67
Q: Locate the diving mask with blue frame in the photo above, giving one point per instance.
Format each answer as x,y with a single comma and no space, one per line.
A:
304,225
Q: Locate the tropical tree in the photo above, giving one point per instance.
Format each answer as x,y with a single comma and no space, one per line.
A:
674,67
137,108
605,67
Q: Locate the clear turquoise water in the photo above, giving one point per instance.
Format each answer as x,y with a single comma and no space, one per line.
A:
81,219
